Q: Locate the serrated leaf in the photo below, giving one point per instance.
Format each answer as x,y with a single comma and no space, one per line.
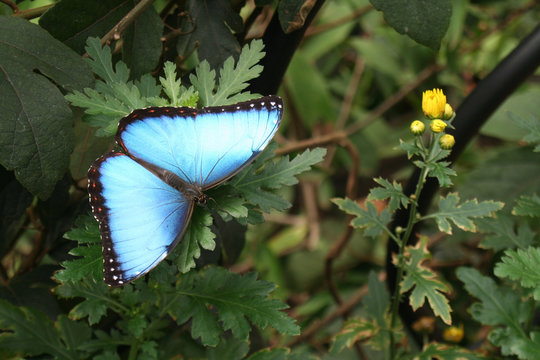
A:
354,330
216,300
90,264
368,219
527,206
96,299
503,233
497,306
392,191
424,282
446,352
441,171
424,21
462,215
412,149
197,235
171,85
30,332
229,349
73,333
232,78
253,181
532,125
522,265
37,131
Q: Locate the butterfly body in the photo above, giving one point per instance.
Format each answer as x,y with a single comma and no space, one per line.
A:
144,199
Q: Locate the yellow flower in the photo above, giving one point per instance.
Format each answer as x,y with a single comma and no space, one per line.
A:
417,127
448,112
447,141
437,125
454,334
433,103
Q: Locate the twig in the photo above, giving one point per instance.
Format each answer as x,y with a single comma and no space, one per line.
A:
343,309
12,5
394,99
310,204
314,30
346,106
32,13
116,32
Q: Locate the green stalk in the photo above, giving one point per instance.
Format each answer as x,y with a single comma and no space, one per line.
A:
402,243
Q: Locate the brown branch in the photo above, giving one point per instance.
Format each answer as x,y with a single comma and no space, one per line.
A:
394,99
116,32
314,30
12,5
322,140
32,13
340,311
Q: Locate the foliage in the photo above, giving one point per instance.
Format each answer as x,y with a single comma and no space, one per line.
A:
270,268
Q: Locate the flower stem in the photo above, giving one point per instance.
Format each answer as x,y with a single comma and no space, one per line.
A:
400,257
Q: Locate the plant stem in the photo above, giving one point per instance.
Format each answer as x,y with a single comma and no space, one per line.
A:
402,244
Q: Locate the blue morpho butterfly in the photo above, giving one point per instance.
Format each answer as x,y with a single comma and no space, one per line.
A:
144,199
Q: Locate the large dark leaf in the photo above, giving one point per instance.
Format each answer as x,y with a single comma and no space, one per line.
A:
424,21
73,21
213,21
36,135
141,49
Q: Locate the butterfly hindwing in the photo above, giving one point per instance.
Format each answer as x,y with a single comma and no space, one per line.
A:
202,146
141,217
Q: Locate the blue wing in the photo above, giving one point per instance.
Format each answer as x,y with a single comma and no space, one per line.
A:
203,147
141,217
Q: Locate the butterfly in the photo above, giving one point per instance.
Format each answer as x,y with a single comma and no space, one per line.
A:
143,197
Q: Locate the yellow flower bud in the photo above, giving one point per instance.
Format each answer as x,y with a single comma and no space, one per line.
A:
447,141
448,112
437,125
433,103
417,127
454,334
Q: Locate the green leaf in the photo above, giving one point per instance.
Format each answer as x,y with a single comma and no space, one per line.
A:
424,21
532,125
114,96
96,295
354,330
142,46
439,170
69,24
232,78
30,332
197,235
412,149
505,176
73,333
211,24
442,351
293,13
86,233
230,349
368,219
501,306
462,215
37,130
424,281
503,233
527,206
522,265
394,192
253,181
217,300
